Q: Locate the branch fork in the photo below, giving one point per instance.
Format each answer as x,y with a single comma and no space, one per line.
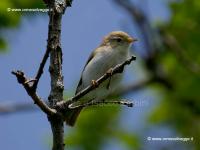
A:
22,79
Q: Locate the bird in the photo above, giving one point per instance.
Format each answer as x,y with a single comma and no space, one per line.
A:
113,50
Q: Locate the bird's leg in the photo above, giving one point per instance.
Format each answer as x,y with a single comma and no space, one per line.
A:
109,72
94,83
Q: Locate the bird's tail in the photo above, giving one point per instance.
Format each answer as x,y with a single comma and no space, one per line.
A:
71,116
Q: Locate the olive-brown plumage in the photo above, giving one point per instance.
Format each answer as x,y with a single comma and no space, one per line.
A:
113,50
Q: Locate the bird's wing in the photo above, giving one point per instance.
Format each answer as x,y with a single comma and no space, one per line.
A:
80,81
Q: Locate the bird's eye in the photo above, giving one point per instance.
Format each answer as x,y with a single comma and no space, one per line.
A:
118,39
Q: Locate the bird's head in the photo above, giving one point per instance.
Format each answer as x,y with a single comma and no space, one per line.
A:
118,39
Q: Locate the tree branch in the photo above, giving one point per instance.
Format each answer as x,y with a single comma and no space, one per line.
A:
117,69
37,100
55,69
106,102
41,68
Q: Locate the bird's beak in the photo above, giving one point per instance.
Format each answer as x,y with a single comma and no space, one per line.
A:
131,40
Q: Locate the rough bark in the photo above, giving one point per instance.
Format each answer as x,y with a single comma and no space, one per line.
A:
55,69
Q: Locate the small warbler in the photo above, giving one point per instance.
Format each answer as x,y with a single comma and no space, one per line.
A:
113,50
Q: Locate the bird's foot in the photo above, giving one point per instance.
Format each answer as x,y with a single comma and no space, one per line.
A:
94,83
110,73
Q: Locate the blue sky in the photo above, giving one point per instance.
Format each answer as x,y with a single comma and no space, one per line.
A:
83,27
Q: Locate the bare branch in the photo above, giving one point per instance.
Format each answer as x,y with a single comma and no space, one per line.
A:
106,102
41,68
117,69
55,69
37,100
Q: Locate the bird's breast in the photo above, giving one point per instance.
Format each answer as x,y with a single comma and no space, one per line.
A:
100,64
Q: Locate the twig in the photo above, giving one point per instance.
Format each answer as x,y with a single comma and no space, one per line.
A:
41,68
117,69
106,102
37,100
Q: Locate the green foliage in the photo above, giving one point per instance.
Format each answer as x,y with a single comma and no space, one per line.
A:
12,19
95,126
185,26
181,107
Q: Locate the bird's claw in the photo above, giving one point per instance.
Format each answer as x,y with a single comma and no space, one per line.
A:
110,72
94,83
